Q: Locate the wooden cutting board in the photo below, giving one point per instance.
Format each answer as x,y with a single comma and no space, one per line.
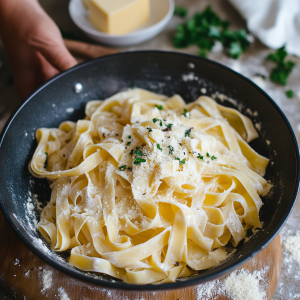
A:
20,275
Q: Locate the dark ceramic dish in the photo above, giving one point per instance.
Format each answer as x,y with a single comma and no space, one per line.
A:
160,72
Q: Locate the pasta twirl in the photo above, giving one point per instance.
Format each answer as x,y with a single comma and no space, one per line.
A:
147,188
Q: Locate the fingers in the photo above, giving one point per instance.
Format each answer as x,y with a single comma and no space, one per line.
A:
54,50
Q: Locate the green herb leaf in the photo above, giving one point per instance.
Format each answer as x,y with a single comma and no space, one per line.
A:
122,168
213,157
204,29
289,93
169,125
158,147
139,160
160,107
184,112
155,120
139,152
149,129
188,132
181,162
171,150
128,143
283,68
200,156
207,154
131,152
180,11
129,136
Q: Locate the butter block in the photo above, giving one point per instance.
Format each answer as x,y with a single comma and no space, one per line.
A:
118,17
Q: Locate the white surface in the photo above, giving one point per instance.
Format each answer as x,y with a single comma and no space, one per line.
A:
161,12
274,22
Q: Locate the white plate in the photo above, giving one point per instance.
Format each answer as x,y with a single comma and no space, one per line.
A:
161,12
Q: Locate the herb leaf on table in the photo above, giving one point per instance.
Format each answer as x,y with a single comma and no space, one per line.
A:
205,28
283,67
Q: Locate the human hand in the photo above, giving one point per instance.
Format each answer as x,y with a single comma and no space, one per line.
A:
33,43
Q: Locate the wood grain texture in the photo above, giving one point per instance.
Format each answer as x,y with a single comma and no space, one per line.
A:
21,275
83,51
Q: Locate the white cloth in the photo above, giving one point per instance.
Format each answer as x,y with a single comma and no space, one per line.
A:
273,22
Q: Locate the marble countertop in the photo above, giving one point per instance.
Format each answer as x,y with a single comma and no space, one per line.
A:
249,64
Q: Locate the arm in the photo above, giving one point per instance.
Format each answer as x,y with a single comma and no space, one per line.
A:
33,43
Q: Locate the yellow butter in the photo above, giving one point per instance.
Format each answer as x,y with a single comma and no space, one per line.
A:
118,17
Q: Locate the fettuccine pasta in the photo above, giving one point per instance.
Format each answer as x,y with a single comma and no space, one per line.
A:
148,188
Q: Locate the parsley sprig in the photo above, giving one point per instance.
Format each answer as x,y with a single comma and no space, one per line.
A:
155,120
188,132
160,107
283,67
181,162
180,11
123,168
200,156
171,149
158,147
185,113
139,160
205,28
289,93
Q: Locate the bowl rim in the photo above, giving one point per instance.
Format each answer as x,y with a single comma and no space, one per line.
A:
116,285
136,33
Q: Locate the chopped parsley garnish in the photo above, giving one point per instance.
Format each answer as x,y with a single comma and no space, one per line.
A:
158,147
131,152
149,129
181,162
289,93
171,150
200,156
129,136
139,152
155,120
128,143
188,132
46,160
207,154
213,157
139,160
169,127
283,68
160,107
180,11
206,28
184,112
122,168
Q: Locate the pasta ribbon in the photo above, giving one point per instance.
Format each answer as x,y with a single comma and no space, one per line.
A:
147,188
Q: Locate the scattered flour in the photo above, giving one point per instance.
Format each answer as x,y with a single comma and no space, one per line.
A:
46,279
239,285
292,245
69,109
189,77
62,294
243,285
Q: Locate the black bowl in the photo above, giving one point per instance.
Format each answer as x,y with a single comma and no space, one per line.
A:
160,72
